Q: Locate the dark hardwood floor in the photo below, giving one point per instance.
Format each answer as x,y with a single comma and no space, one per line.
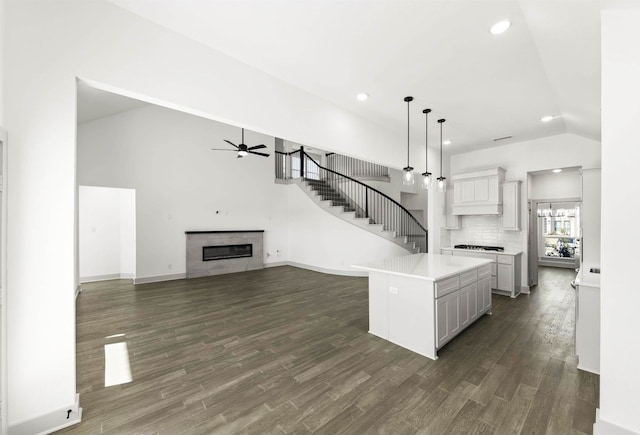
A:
286,350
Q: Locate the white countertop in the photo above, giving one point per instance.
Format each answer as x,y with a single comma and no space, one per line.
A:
430,267
484,252
587,278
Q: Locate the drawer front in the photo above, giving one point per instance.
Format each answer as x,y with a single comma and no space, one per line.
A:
447,286
505,259
476,254
494,269
469,277
485,270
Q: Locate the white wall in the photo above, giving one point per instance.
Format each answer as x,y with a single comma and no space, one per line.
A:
620,298
2,31
566,184
324,241
47,45
561,151
106,231
181,184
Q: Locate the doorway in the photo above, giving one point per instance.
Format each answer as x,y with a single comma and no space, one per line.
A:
106,233
554,197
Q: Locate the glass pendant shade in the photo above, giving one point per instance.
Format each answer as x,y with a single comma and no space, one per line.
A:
408,179
426,180
442,184
242,153
426,175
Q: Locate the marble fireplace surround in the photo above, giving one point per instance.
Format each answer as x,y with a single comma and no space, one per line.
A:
196,240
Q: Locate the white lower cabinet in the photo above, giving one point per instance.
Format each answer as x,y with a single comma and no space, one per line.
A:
458,309
448,318
484,295
505,277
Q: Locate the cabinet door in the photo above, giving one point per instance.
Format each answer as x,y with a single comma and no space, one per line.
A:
473,301
484,295
511,205
463,306
468,191
447,317
452,221
505,277
481,190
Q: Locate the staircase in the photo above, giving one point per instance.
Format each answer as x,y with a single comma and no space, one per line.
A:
352,200
338,204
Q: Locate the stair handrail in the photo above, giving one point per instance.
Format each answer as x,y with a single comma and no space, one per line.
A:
370,188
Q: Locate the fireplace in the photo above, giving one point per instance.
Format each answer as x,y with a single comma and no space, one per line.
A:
225,252
238,250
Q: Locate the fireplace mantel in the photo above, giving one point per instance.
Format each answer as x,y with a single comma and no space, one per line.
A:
198,264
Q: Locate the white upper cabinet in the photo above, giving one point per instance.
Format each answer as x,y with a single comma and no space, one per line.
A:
511,205
478,192
452,221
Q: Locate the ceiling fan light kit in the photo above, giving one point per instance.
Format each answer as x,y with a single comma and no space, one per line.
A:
243,149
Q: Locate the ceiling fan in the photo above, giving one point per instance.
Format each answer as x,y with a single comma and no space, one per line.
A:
242,149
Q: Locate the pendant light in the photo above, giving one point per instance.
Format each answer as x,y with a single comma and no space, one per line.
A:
408,179
442,181
426,175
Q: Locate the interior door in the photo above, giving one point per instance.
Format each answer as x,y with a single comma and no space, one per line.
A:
3,280
533,243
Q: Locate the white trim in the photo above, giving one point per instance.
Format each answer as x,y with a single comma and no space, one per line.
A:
78,290
276,264
3,279
95,278
525,289
50,422
603,427
341,272
159,278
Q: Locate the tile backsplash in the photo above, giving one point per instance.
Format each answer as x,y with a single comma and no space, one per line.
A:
483,230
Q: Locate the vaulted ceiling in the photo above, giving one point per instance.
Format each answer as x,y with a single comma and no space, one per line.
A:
440,52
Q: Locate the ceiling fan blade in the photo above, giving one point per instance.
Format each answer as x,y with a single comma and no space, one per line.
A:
260,154
230,143
224,149
257,147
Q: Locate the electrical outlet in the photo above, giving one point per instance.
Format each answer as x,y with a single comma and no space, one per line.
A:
278,253
393,290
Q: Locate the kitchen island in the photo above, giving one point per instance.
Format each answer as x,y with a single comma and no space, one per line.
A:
422,301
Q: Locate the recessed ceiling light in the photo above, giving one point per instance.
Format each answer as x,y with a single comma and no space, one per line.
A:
547,118
447,142
362,96
500,27
557,171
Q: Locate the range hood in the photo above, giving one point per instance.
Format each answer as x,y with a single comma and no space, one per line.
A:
478,192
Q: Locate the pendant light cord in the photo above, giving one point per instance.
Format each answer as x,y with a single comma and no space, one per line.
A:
408,129
441,147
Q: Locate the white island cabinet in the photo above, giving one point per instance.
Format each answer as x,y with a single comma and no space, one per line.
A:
422,301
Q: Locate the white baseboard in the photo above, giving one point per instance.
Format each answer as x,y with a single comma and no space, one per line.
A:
159,278
602,427
329,271
276,264
108,277
78,290
525,290
51,422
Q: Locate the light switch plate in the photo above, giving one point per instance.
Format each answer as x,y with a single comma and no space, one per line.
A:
393,290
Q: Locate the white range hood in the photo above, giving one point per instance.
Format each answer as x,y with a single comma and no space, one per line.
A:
478,192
